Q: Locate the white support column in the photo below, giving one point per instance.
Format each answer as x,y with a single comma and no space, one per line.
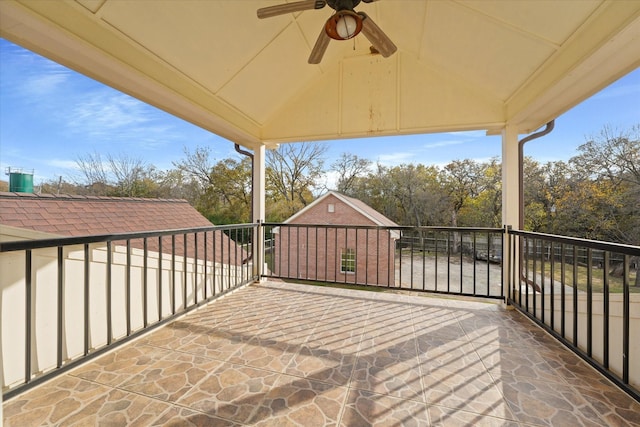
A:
1,383
259,205
510,198
510,177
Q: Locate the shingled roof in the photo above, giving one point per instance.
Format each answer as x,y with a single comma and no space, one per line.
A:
88,215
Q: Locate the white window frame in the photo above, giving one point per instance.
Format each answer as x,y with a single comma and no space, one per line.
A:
347,258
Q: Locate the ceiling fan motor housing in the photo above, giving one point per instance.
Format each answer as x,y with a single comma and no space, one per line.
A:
339,5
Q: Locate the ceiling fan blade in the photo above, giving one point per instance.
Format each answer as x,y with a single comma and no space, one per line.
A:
320,47
376,36
281,9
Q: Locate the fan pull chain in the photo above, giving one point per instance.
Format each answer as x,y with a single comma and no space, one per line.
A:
354,43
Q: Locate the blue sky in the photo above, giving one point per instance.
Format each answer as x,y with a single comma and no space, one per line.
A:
50,115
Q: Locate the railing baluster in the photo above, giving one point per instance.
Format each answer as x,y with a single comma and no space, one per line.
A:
306,261
605,309
563,308
159,278
346,246
316,253
87,287
436,234
575,296
173,274
589,303
424,267
356,256
206,259
213,243
626,314
60,311
552,285
473,256
461,261
185,273
109,296
127,284
542,279
336,260
392,262
534,280
526,274
378,256
27,311
366,259
411,265
145,282
195,268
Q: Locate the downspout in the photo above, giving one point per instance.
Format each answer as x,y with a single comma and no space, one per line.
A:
549,127
250,155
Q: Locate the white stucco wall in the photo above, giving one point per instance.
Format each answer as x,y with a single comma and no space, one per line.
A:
45,300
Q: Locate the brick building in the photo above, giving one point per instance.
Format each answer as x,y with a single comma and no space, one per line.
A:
354,251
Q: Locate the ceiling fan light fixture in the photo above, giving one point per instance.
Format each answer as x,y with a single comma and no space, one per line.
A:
344,25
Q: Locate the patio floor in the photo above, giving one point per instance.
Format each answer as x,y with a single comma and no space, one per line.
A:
279,354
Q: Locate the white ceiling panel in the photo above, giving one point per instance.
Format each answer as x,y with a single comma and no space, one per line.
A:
460,64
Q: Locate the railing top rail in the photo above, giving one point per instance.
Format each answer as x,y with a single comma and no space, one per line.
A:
387,227
20,245
576,241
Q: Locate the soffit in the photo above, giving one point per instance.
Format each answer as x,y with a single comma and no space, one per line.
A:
460,65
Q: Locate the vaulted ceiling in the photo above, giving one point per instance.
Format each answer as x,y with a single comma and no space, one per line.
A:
460,65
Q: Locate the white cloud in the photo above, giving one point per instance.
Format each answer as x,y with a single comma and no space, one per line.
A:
329,179
118,118
394,159
62,164
102,112
470,133
44,84
445,143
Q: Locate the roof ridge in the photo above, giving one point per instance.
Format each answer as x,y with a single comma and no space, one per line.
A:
48,196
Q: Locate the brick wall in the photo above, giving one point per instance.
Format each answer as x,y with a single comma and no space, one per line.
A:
314,253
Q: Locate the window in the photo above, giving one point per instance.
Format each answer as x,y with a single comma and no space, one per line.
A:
331,208
348,261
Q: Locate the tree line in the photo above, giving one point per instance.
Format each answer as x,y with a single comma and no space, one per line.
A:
594,195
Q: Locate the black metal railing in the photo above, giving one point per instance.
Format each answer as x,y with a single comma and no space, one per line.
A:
586,294
460,261
74,298
108,289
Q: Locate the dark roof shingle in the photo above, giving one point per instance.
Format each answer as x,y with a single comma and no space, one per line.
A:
76,216
72,216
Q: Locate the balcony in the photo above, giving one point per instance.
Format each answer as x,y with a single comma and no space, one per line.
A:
198,342
288,354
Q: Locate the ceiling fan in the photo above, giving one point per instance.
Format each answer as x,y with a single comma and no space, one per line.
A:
345,24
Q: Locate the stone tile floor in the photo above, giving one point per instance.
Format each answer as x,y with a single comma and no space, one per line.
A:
280,354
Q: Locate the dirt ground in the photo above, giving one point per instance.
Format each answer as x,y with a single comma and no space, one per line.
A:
470,277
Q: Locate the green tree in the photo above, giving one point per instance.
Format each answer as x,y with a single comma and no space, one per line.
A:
120,176
230,191
485,209
350,168
611,162
293,172
460,180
